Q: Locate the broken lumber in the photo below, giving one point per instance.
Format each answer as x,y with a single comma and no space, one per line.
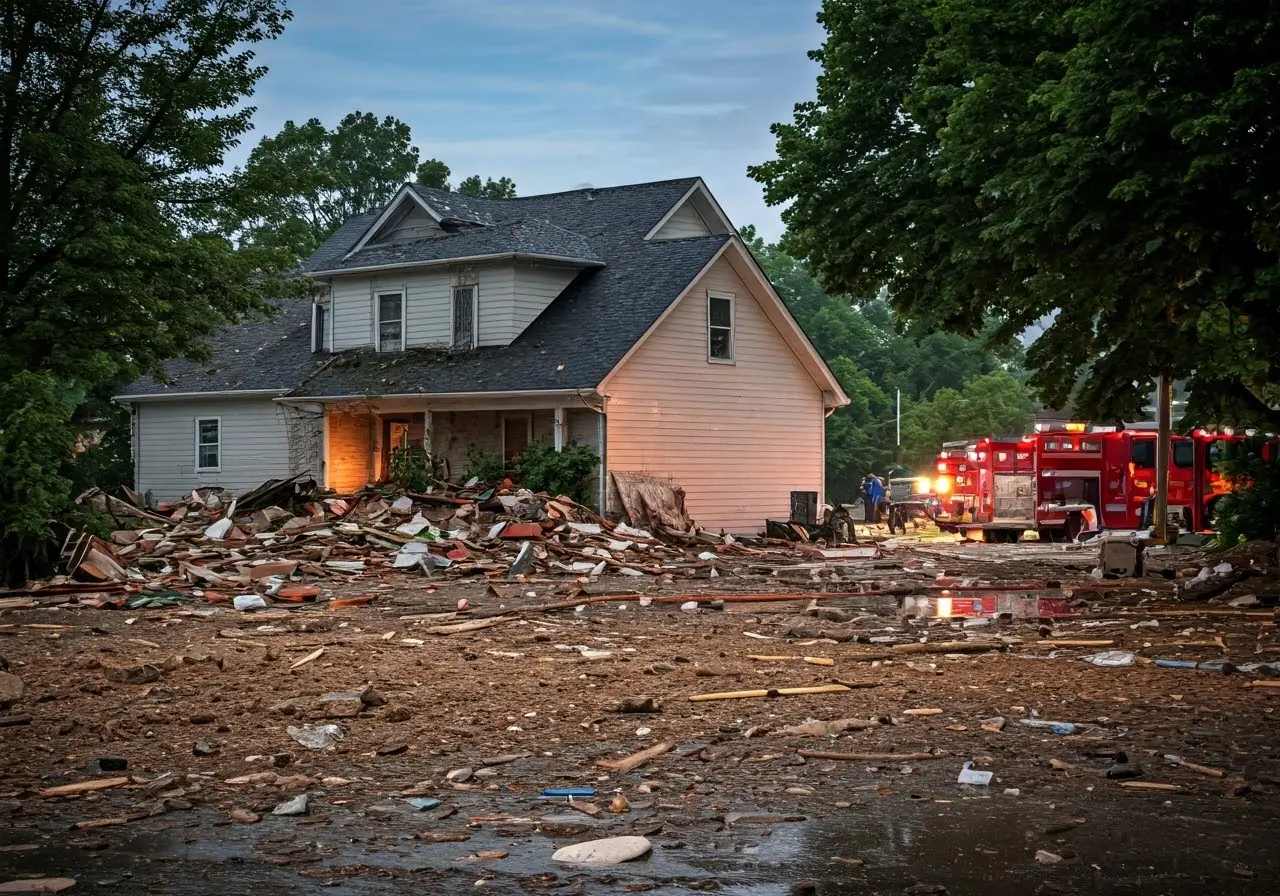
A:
1194,767
84,787
1149,785
313,655
946,647
1049,642
461,627
771,692
635,760
1264,684
868,757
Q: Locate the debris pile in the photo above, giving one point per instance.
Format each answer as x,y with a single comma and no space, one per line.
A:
284,541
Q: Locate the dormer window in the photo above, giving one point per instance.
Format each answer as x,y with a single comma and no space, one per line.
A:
390,322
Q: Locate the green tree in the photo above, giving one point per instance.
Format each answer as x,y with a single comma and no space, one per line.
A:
434,173
1106,162
114,120
301,184
502,188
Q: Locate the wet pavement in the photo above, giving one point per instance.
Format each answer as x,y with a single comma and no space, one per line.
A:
890,840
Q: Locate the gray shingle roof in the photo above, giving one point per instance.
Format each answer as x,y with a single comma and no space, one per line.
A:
264,353
573,344
522,237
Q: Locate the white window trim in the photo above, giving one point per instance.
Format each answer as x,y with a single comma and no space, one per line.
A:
475,312
523,416
200,469
377,317
733,326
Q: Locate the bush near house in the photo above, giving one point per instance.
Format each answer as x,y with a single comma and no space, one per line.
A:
566,472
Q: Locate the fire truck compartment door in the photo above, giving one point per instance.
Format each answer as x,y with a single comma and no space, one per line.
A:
1015,496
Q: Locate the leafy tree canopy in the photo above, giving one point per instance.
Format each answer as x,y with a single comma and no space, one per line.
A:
114,120
299,185
1109,162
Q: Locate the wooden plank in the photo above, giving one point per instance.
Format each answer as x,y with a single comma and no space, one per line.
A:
771,692
84,787
867,757
635,760
313,655
1149,785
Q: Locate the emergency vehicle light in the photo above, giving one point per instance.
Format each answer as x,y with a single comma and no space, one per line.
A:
1228,431
1074,427
942,485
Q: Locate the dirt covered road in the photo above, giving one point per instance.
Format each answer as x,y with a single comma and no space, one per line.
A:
183,717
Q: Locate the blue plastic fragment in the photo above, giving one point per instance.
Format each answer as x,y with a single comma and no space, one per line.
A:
423,802
569,791
1062,728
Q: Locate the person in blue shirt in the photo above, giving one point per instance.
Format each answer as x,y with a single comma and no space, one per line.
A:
872,496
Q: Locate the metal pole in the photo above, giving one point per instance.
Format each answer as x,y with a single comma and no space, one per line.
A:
1164,449
899,443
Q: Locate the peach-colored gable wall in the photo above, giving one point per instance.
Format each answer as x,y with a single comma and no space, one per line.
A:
739,438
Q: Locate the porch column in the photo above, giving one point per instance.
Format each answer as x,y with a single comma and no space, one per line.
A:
559,429
428,436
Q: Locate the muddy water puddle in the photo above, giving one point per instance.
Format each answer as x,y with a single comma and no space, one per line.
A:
971,844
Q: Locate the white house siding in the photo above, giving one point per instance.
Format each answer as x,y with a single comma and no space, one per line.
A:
254,445
536,287
686,222
494,295
738,437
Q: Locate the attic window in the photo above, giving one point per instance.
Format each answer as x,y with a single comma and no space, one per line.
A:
390,322
719,326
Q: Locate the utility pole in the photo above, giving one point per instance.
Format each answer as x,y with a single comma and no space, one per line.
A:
1164,448
897,451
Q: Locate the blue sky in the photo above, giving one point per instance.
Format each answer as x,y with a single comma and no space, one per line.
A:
557,93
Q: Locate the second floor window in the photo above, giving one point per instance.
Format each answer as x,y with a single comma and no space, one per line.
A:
719,327
464,317
391,322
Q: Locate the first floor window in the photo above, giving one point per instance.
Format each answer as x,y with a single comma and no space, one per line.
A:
719,327
391,322
208,443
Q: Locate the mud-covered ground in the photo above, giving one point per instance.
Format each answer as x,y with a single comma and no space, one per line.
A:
732,807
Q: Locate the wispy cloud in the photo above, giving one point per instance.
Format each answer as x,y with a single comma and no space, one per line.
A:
555,93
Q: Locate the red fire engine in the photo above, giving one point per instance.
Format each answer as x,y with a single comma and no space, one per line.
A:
1067,478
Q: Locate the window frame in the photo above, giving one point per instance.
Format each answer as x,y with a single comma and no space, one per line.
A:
199,444
320,328
475,315
377,319
731,298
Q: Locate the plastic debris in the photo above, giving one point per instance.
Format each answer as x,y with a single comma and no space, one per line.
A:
317,737
969,776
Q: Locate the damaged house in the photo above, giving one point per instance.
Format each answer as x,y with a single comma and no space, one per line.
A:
630,319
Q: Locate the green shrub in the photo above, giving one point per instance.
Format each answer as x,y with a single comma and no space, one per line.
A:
566,472
487,466
412,468
1252,509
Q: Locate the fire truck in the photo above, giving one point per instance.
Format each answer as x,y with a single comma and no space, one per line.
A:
1070,477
